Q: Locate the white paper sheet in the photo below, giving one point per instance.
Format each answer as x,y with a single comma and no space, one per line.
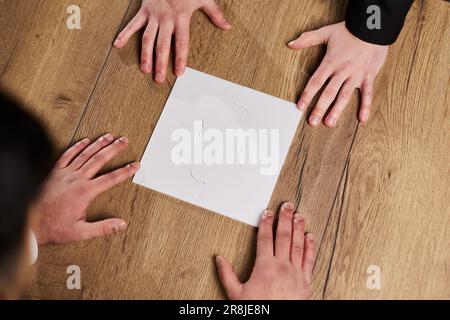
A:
239,189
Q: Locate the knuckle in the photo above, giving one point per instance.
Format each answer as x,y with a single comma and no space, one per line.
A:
329,92
306,35
297,247
315,80
113,177
285,234
147,38
98,158
181,44
83,157
265,236
163,46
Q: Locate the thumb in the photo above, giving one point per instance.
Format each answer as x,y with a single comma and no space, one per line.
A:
310,39
215,14
89,230
228,278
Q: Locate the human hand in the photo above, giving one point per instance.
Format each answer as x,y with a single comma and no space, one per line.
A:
60,210
164,18
281,272
349,63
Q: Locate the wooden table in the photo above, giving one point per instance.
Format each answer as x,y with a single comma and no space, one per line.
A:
373,195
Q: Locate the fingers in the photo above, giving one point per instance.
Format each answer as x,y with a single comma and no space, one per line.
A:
228,278
90,151
284,231
134,25
109,180
148,43
342,101
89,230
163,50
309,257
298,240
101,158
181,44
314,84
215,14
326,99
71,153
366,99
265,235
310,39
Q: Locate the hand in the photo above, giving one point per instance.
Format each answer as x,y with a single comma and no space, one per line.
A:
349,63
280,273
72,185
164,18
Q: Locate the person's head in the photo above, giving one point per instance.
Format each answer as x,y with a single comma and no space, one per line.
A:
26,157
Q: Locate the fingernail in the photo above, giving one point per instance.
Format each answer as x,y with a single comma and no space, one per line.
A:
85,140
120,226
145,68
288,206
267,214
291,43
116,43
159,77
227,24
123,139
301,106
108,137
314,121
331,121
310,237
179,71
218,259
136,165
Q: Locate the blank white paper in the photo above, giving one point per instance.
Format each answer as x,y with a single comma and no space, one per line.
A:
237,190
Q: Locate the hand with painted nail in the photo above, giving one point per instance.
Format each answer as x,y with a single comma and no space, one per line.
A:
283,266
164,18
73,183
349,64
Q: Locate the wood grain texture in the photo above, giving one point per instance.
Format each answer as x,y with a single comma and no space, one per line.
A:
170,245
395,208
366,191
52,69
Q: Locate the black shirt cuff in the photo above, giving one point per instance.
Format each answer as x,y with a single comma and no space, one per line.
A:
392,18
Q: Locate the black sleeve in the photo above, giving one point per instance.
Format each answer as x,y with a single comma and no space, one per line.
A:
391,18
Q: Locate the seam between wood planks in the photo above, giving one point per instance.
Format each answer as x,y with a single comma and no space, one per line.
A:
99,76
345,174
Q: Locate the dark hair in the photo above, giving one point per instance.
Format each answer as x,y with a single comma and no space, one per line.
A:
26,157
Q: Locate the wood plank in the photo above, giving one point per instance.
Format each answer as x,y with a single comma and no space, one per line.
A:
15,19
395,211
168,249
52,69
